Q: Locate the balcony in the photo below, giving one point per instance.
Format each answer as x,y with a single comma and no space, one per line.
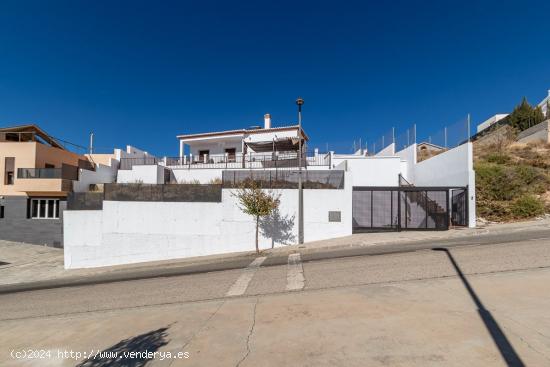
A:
66,172
273,160
47,180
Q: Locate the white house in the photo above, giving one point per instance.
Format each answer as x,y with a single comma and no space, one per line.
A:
210,153
491,121
157,211
544,104
231,145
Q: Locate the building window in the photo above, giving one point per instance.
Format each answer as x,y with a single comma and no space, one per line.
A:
231,153
202,153
44,208
1,211
9,169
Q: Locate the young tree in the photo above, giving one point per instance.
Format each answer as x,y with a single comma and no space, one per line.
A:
521,117
538,116
257,203
548,109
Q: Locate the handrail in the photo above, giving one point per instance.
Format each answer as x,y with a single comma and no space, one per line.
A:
233,161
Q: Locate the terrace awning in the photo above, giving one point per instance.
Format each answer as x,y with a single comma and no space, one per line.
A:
281,145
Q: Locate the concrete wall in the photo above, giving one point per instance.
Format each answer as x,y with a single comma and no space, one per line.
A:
150,174
204,176
451,168
15,226
408,155
387,151
102,174
537,133
216,146
371,171
166,230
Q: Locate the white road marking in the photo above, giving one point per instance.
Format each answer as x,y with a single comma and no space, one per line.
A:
295,273
241,284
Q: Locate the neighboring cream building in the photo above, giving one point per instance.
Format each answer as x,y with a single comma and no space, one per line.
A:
36,174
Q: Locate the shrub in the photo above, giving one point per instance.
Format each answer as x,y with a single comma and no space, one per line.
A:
498,158
496,182
525,174
527,206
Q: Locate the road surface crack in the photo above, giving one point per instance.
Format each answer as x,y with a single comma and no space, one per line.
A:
203,326
250,332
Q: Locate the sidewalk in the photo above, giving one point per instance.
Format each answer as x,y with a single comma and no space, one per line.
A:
24,266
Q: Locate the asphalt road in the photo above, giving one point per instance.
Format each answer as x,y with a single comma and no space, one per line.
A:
402,304
275,259
347,267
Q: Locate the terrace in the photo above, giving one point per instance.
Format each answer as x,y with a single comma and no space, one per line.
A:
268,160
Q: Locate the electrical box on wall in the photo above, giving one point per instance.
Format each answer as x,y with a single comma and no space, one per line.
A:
334,216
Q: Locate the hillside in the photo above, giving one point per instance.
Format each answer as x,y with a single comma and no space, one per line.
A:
512,179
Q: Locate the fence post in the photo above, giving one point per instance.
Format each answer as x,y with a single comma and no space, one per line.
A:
190,160
468,128
226,157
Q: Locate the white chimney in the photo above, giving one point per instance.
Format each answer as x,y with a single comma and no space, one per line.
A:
267,121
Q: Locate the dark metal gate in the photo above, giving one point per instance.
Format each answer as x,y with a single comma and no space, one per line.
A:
459,207
406,208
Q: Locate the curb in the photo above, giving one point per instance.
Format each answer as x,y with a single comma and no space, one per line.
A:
241,261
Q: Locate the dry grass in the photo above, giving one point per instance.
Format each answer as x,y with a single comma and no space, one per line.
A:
512,179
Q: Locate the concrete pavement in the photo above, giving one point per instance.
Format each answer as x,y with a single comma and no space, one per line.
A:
27,267
401,309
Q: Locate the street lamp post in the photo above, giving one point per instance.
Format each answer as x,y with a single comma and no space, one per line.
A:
300,102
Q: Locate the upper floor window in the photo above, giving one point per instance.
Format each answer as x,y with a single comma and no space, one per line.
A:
9,170
202,154
45,208
231,154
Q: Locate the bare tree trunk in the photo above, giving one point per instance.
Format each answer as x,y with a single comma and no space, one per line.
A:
257,225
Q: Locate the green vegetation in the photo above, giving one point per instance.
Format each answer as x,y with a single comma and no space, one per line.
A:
257,203
525,116
512,179
527,206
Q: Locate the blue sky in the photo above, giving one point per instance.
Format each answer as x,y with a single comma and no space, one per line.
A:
141,72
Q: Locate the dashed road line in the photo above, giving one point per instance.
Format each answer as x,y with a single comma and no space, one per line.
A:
241,284
295,273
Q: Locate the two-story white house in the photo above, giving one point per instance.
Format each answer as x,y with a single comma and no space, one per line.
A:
203,156
237,146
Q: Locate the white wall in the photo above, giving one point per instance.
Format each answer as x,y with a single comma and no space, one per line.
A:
215,146
149,174
371,171
202,175
130,232
387,151
451,168
102,174
408,155
491,121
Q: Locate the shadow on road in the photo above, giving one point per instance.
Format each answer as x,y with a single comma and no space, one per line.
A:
505,348
118,354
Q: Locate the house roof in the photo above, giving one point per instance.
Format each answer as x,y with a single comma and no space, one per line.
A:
430,144
32,128
242,131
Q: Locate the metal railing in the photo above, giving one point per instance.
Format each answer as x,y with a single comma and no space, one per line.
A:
66,172
279,160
